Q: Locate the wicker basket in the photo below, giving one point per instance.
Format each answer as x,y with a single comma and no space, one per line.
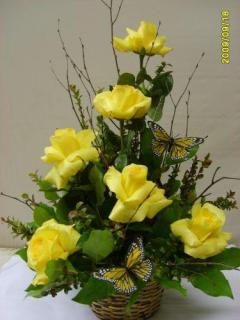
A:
114,308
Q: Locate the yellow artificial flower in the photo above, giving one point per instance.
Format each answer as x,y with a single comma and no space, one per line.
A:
69,153
144,38
202,234
137,197
51,241
123,102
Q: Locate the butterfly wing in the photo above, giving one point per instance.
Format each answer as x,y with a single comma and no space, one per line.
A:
158,147
162,139
181,146
110,275
188,142
119,277
178,153
143,270
159,133
125,284
136,263
135,253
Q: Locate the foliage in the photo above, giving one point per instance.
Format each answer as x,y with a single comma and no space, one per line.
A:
85,202
226,203
213,282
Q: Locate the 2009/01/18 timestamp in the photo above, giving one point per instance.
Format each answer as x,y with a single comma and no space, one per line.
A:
225,36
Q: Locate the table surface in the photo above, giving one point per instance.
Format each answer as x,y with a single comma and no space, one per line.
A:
14,305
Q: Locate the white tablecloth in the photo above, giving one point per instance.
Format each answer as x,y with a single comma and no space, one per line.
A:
15,277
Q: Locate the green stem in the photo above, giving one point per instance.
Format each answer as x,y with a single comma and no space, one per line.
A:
122,134
141,57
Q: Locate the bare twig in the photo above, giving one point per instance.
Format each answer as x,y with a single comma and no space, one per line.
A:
188,115
85,67
70,96
113,49
213,182
215,173
56,76
149,55
112,22
118,12
175,104
67,54
115,125
105,3
17,199
82,77
78,71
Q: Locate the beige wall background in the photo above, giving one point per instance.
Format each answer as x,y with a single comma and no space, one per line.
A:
32,104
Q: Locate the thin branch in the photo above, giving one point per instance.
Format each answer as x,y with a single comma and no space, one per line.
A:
85,66
215,173
116,126
213,182
56,77
70,95
17,199
188,115
118,12
112,32
105,3
66,52
78,71
112,22
176,104
149,55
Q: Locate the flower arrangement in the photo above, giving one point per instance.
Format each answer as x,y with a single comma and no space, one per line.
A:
120,211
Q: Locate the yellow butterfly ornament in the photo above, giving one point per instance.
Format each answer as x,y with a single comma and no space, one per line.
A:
135,265
178,148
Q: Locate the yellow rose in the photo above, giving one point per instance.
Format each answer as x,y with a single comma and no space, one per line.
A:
202,234
144,38
51,241
137,197
123,102
69,153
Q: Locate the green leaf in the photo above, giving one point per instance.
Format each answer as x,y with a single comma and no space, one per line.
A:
121,161
83,239
96,179
213,282
23,254
146,154
99,244
36,291
62,210
228,259
126,78
43,213
155,112
162,84
55,270
142,75
109,141
49,191
94,290
172,186
172,284
166,217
